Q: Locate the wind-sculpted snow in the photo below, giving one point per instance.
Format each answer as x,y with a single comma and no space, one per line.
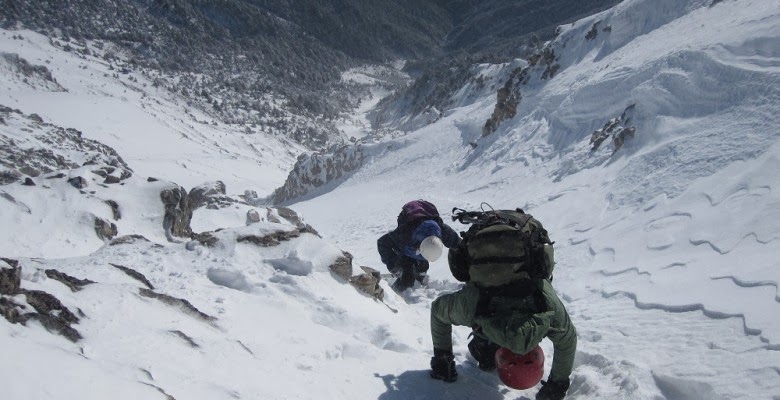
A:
678,227
666,249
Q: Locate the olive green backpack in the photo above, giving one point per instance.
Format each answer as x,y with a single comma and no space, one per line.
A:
501,247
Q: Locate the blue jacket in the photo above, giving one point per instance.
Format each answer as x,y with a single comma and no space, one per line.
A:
401,244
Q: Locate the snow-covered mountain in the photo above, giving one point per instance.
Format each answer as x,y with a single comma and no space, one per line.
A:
644,137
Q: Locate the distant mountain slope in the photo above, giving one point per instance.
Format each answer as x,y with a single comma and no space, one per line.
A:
504,26
278,64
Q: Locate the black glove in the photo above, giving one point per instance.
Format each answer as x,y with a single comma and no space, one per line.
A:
484,351
553,390
443,365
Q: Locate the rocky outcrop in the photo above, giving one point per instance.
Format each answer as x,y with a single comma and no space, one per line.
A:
105,230
618,129
128,239
252,217
10,278
37,76
46,148
291,216
211,195
178,213
182,304
134,274
272,239
114,209
509,95
342,267
75,284
368,283
315,170
46,308
507,100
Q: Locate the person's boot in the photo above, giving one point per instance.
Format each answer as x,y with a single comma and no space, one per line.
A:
405,281
484,351
443,366
422,277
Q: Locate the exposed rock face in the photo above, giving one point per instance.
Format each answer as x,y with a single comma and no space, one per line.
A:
78,182
114,209
292,216
38,76
211,195
342,267
48,310
134,274
128,239
10,278
205,238
619,129
368,283
46,148
182,304
507,99
272,239
178,213
509,96
75,284
313,171
252,216
104,229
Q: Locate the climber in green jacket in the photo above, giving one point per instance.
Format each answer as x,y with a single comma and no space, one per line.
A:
516,316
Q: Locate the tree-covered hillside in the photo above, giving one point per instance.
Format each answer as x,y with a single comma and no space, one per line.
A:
275,65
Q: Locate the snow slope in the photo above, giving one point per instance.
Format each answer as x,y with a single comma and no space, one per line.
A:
666,249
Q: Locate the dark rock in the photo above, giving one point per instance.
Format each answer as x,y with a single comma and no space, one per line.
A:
56,176
199,194
508,98
151,179
10,176
270,240
210,195
272,217
183,304
111,179
250,196
133,274
75,284
45,303
114,209
368,283
128,239
56,324
28,170
205,238
178,212
78,182
10,278
342,267
28,182
315,170
289,215
252,216
186,338
105,230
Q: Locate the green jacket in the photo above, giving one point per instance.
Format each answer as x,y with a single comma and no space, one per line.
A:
512,324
